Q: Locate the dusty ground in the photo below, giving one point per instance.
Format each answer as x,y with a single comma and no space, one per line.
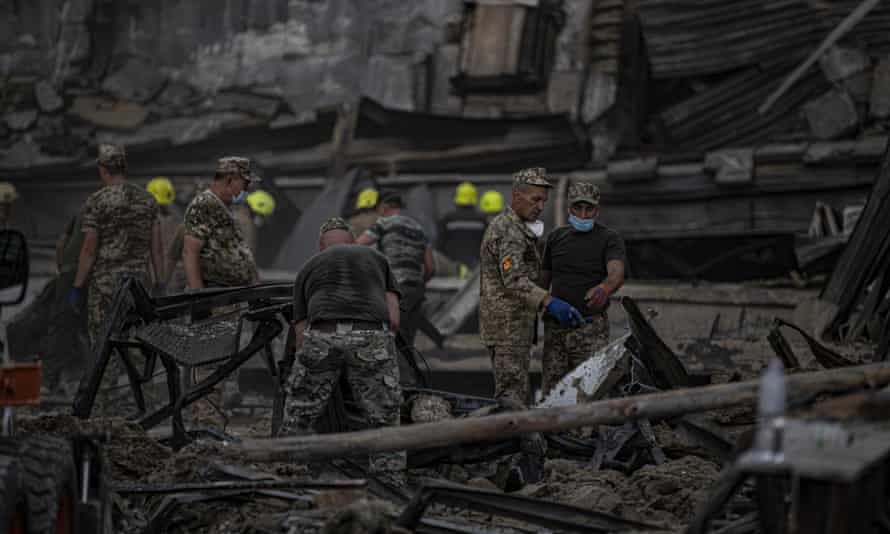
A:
665,495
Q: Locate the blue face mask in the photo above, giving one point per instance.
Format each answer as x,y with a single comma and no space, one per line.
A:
581,225
240,198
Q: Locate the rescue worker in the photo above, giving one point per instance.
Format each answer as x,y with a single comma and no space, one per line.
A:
584,263
8,196
346,306
509,298
491,204
461,229
214,252
404,243
262,206
121,238
366,211
161,188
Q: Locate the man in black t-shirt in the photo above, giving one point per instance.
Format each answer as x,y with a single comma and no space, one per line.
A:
346,307
584,265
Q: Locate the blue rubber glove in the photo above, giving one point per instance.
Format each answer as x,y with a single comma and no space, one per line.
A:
75,296
565,313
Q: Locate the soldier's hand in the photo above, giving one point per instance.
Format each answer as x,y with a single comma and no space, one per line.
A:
598,297
565,313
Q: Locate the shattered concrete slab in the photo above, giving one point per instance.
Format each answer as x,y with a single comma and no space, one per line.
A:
107,113
842,62
247,103
20,120
832,115
390,81
47,97
179,131
136,81
731,166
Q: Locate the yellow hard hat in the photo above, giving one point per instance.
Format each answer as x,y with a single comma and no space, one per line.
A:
491,202
261,202
8,194
161,188
366,199
465,194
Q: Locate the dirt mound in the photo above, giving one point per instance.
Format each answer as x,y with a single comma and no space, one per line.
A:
131,454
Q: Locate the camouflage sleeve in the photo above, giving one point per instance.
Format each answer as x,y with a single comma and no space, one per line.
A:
90,215
514,274
198,220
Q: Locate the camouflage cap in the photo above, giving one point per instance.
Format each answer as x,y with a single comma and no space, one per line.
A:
584,192
334,223
237,165
112,156
531,176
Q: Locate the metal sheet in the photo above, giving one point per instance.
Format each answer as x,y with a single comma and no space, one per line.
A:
592,379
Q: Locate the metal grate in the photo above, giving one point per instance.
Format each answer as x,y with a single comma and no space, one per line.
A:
195,344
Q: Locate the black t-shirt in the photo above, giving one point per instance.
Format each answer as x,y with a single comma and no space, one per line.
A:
342,283
577,261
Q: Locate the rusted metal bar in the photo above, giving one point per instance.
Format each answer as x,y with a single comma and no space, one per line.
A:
613,411
546,513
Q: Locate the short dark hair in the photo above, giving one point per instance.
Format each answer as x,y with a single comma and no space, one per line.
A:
392,199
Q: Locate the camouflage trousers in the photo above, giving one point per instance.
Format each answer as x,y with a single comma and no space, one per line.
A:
100,295
368,359
567,348
510,364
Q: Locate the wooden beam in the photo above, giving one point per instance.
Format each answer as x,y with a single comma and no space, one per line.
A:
839,31
341,140
509,425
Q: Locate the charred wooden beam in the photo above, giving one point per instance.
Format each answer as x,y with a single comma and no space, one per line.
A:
613,411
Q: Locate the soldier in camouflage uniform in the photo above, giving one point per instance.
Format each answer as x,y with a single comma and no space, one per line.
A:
510,298
121,238
215,253
583,265
346,303
404,243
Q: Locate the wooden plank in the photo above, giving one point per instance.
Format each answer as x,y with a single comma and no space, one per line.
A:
507,425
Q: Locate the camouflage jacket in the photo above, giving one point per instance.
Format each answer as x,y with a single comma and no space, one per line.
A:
122,215
226,259
509,296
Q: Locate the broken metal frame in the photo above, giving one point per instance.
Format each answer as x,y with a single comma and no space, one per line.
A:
133,308
545,513
826,357
834,482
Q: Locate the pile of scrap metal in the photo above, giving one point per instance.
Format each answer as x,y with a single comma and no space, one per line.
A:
191,331
637,362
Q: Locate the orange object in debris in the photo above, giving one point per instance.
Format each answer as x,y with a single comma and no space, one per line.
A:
20,384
